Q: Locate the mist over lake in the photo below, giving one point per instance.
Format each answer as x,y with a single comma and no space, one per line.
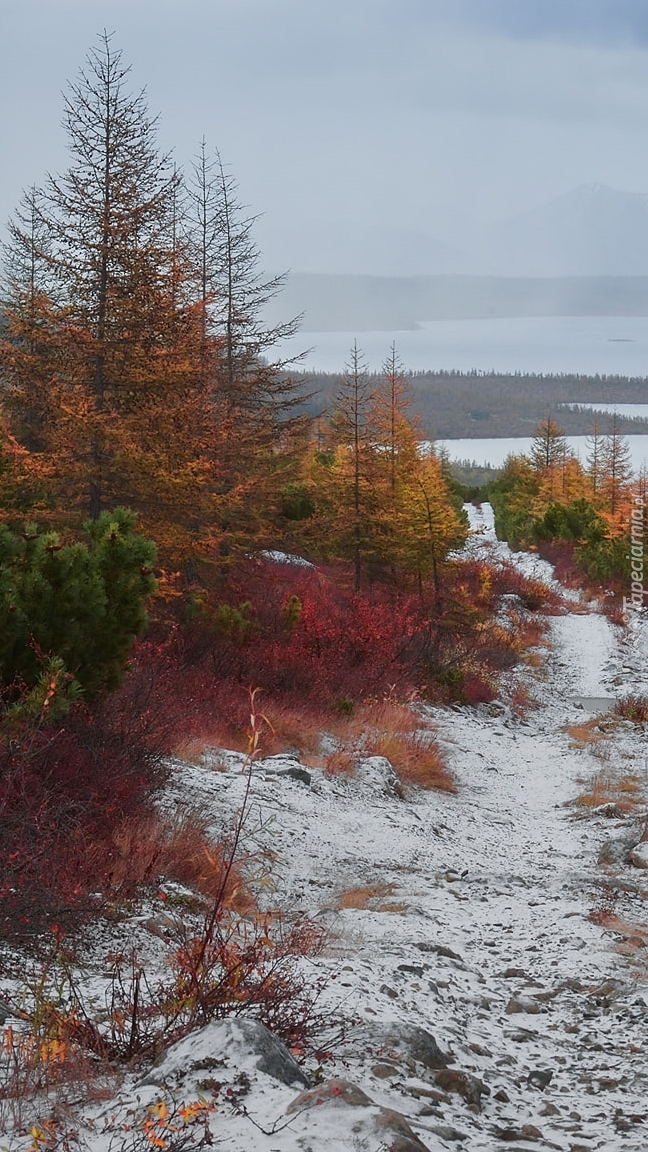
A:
587,345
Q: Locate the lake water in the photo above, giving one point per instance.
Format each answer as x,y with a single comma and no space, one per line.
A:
581,345
634,411
495,451
587,345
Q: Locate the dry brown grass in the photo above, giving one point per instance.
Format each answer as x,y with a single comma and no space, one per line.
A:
364,897
149,849
533,659
588,733
394,730
623,789
633,708
40,1076
415,758
342,762
384,727
529,632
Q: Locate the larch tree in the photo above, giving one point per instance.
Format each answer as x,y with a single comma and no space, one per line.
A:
436,525
391,403
616,468
401,475
250,390
548,446
594,446
548,452
345,480
108,294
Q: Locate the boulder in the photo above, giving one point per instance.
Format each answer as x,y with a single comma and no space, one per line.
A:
470,1087
388,1128
245,1043
638,857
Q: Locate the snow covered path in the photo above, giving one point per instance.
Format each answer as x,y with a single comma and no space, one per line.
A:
476,923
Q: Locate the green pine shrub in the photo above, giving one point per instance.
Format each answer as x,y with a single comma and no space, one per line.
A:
81,603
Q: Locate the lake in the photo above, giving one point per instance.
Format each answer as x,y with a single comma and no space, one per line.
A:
495,451
587,345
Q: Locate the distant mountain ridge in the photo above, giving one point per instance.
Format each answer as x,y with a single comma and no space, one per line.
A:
381,303
591,230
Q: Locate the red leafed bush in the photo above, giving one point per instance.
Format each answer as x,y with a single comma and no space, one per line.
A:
303,636
64,789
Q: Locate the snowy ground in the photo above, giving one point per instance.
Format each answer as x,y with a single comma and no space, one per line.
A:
477,931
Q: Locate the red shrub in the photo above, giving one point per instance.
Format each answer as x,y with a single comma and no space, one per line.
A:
63,791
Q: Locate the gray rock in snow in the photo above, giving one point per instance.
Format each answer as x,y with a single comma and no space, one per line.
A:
297,773
274,1058
446,1132
523,1004
223,1042
441,950
400,1043
421,1046
540,1079
388,1127
638,857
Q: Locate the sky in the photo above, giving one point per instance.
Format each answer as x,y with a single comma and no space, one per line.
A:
433,116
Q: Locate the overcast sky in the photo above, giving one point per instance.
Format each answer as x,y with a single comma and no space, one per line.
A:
425,114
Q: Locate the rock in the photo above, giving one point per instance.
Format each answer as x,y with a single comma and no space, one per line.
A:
522,1004
387,991
549,1109
393,1124
526,1132
446,1132
388,1127
609,990
421,1046
385,1071
502,1096
464,1084
297,773
440,950
521,1035
638,857
540,1079
429,1094
415,969
247,1041
377,773
274,1058
284,764
513,974
336,1091
622,1125
396,1042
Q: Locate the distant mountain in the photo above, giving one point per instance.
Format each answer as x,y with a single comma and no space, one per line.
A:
591,231
360,249
388,303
